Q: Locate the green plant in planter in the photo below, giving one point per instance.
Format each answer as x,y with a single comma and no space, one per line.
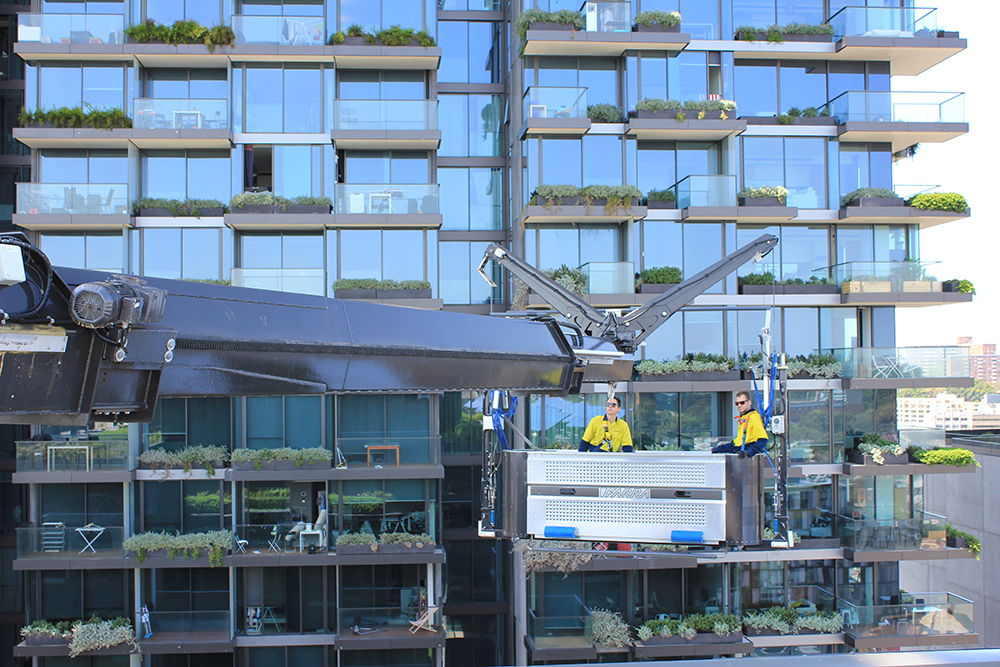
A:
573,279
610,629
661,195
618,197
357,539
219,35
605,113
807,29
311,455
187,32
42,628
307,200
355,30
939,201
817,365
655,104
356,283
765,278
949,456
536,555
867,192
777,191
810,112
661,275
95,634
553,194
972,543
878,446
337,38
396,36
648,18
419,541
425,39
256,199
148,31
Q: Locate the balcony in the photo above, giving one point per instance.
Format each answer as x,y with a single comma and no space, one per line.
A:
904,367
707,197
554,111
921,619
56,546
362,627
889,540
386,124
902,118
665,127
180,123
187,631
72,460
896,283
296,281
387,205
264,34
382,453
565,635
607,32
80,36
61,206
907,37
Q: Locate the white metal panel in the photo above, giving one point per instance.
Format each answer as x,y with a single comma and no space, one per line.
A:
692,470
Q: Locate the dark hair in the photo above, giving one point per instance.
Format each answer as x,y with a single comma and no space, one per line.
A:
743,392
616,400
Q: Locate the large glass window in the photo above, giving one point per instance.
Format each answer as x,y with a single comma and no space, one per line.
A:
470,125
396,254
756,88
865,166
803,84
419,14
377,167
189,253
98,251
273,251
460,284
188,506
100,85
551,247
681,77
798,164
169,11
382,85
471,52
677,421
470,198
187,174
284,99
83,166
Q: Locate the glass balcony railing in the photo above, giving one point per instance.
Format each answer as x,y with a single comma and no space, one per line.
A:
362,620
411,115
284,30
282,536
898,107
924,438
180,114
909,276
545,102
926,531
72,455
872,363
917,614
393,199
385,452
610,277
188,625
72,198
57,540
297,281
884,22
71,28
567,619
706,191
607,16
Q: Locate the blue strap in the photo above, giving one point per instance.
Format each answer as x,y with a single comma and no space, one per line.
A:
498,416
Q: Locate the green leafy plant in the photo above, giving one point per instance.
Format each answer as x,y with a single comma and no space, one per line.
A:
553,194
680,117
661,195
407,539
763,278
972,543
256,199
425,39
867,192
618,198
794,112
655,104
217,543
817,365
610,629
699,363
311,455
939,201
878,446
573,279
537,555
810,112
807,29
95,634
101,119
948,456
661,275
375,283
46,629
357,539
148,31
535,15
709,105
395,36
776,191
785,119
219,35
648,18
907,153
308,200
336,38
356,283
355,30
605,113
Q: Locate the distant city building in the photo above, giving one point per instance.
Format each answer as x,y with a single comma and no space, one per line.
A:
984,362
948,412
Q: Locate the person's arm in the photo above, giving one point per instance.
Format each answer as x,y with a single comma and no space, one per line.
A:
587,435
626,438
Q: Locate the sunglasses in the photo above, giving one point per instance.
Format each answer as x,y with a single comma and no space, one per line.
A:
741,402
612,405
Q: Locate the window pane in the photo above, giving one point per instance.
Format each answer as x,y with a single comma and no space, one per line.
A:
655,169
484,53
408,167
756,89
687,76
201,254
359,84
853,167
264,422
802,85
208,175
855,245
264,103
403,85
161,506
763,162
653,76
804,249
561,162
165,11
453,37
105,252
454,198
203,506
801,331
360,253
602,160
260,252
403,254
163,174
104,87
302,251
661,244
303,106
60,87
303,421
108,167
161,253
292,171
600,77
453,119
702,247
362,12
703,332
805,172
599,244
558,246
485,197
485,119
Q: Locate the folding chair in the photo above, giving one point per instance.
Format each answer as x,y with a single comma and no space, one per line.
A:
424,622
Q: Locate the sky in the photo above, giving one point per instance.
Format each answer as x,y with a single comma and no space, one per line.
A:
966,249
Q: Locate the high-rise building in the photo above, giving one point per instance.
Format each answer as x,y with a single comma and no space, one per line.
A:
984,362
327,148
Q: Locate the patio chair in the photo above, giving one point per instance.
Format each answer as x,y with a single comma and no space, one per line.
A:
424,621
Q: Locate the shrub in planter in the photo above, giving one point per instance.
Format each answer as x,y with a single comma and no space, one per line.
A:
939,201
697,363
191,545
95,634
45,632
101,119
535,15
655,104
573,279
312,456
666,19
356,283
816,365
765,192
879,447
404,542
868,193
765,278
605,113
365,540
243,201
618,198
661,275
554,194
665,196
536,560
956,285
948,456
610,629
972,543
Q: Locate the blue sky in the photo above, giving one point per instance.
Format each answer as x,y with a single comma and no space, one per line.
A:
969,248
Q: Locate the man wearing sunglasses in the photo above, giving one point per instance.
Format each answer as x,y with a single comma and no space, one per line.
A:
607,433
751,438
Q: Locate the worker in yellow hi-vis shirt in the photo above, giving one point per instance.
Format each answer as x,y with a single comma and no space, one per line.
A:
751,437
607,433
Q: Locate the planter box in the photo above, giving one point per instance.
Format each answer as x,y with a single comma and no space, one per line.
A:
283,465
818,120
658,204
957,543
760,201
315,465
354,294
403,293
249,465
947,34
155,212
46,640
655,288
46,125
656,27
403,549
303,208
789,289
859,286
660,114
353,41
766,632
709,376
855,456
254,209
354,550
762,37
700,638
950,286
877,201
921,286
550,25
202,212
